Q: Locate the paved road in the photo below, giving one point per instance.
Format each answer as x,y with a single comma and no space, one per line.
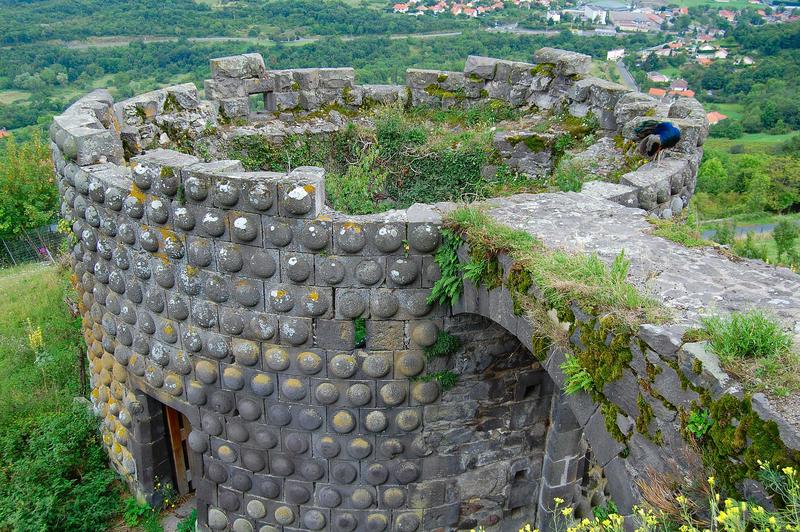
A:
627,79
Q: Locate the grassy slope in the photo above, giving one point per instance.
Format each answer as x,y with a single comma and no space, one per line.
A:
11,96
34,294
755,142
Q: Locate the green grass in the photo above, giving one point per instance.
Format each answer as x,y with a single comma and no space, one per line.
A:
732,110
605,70
54,473
32,296
766,240
11,96
672,72
678,231
754,348
752,142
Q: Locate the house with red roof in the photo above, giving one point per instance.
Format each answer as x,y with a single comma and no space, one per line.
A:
4,133
401,8
730,16
715,117
658,93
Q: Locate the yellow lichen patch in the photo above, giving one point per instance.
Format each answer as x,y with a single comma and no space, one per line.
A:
313,296
352,226
309,188
168,329
191,271
280,293
360,444
166,233
136,192
324,218
294,384
262,379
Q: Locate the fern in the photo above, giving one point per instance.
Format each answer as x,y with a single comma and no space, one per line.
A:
449,286
578,379
476,271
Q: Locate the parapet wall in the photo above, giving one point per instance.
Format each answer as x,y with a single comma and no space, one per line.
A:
234,297
310,101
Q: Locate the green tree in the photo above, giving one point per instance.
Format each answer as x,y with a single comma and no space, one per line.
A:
785,234
713,177
769,114
28,196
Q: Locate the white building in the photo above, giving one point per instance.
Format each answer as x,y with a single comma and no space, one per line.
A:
615,55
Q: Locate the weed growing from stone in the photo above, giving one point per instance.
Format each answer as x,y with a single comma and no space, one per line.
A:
679,232
446,344
699,423
569,175
446,379
752,334
188,523
754,348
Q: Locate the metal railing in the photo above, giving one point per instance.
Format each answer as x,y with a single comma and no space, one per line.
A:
32,245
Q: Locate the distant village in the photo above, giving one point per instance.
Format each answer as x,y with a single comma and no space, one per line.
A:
475,8
611,17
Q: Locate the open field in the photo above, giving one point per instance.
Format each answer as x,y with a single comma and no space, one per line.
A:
752,142
11,96
732,110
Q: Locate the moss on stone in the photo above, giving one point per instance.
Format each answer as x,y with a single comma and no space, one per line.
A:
446,344
347,95
605,353
438,92
697,366
543,69
534,143
167,171
645,416
518,283
171,104
441,78
739,439
610,412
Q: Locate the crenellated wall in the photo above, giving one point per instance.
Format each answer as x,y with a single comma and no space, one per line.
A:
238,299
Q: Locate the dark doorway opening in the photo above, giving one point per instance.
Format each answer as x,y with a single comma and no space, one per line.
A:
185,463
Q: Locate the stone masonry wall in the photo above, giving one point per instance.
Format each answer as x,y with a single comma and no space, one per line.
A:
556,81
234,297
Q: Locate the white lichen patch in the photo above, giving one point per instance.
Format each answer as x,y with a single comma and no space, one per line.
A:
298,193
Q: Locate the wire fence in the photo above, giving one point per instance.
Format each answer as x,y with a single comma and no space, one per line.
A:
32,245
